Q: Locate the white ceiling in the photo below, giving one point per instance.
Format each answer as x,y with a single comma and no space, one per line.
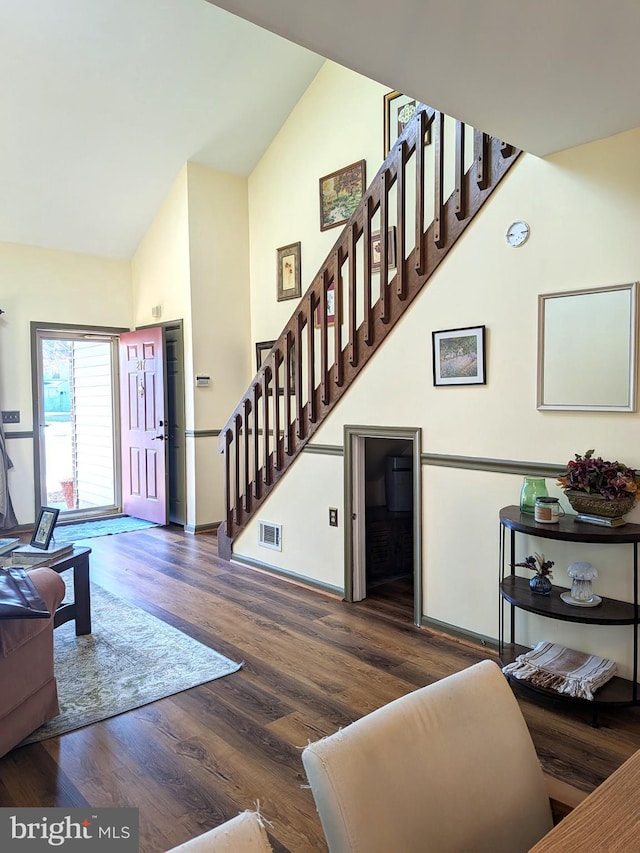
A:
103,101
543,75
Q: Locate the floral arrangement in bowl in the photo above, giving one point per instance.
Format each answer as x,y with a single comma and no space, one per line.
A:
594,485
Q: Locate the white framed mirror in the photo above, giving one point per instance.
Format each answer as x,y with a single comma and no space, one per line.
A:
587,349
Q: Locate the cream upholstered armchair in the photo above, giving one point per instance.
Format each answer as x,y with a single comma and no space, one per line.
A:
448,768
244,833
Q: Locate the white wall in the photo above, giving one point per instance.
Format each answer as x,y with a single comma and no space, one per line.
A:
337,122
194,263
161,275
583,206
219,263
56,287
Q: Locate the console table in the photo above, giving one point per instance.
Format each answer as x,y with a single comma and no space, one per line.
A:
515,592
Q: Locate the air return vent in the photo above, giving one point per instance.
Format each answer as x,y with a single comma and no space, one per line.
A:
270,535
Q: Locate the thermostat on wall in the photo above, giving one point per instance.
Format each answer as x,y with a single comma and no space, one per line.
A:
202,381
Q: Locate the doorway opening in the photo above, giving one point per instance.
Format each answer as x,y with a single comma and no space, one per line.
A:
77,416
177,461
77,420
383,499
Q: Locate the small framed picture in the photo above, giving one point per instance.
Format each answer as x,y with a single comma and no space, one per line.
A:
376,250
289,275
459,356
340,194
399,109
292,371
263,348
43,530
331,307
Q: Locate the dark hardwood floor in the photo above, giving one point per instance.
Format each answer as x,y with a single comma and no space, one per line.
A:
312,663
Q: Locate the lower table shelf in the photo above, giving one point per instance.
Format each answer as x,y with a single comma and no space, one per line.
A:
617,691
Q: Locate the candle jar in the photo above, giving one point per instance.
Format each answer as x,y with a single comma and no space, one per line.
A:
547,510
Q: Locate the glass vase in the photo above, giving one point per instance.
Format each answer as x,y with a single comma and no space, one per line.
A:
540,585
532,488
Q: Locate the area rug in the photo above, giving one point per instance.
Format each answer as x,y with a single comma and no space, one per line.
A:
130,659
102,527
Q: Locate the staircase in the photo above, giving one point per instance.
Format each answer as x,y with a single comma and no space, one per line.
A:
353,303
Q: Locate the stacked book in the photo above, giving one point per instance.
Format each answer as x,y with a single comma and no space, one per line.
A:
601,520
8,545
27,555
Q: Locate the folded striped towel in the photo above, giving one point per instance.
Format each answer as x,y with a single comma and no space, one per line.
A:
564,670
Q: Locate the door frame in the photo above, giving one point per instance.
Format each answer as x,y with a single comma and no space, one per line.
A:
354,528
176,326
58,330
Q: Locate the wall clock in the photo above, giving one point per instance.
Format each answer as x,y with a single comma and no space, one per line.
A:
517,233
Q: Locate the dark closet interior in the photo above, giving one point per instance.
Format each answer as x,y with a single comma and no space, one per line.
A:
388,513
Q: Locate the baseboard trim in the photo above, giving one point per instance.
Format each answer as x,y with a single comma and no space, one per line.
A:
300,580
202,528
460,633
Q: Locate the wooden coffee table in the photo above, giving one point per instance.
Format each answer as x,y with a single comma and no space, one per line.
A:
80,608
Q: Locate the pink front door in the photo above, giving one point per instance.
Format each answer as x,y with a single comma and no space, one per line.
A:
144,425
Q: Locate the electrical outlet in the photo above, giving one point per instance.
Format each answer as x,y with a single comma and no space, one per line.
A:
11,417
333,516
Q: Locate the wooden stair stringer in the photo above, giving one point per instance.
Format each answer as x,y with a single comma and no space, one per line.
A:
415,282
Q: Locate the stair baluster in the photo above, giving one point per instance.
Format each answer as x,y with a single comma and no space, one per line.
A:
281,411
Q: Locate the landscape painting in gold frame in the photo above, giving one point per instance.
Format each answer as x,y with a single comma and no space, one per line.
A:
340,194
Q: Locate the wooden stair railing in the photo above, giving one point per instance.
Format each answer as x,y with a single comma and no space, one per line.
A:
320,352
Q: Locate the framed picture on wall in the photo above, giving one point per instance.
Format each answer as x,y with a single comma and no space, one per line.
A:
289,275
292,371
399,109
263,348
459,356
376,249
340,194
575,375
331,307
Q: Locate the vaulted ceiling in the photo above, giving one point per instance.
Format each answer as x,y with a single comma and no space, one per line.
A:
103,102
543,75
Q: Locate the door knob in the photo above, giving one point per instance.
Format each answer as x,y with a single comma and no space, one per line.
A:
158,438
